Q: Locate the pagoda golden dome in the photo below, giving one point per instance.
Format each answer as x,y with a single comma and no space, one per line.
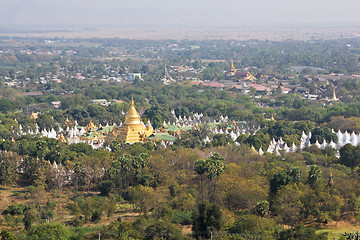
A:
133,129
132,117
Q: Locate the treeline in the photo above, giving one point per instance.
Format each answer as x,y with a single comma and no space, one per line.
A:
339,55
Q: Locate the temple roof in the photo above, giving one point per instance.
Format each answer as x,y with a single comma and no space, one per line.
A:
161,136
175,128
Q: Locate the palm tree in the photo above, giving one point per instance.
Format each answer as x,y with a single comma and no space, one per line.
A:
314,174
200,168
125,166
215,166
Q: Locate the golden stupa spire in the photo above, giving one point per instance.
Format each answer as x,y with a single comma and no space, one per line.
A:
232,68
334,95
133,130
132,117
62,138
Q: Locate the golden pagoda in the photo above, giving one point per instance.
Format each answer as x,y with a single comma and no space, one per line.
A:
133,129
62,138
91,126
232,69
34,115
334,98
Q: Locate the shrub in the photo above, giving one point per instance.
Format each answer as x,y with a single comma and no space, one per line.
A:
16,209
252,225
163,230
183,218
96,216
302,232
106,187
48,232
51,204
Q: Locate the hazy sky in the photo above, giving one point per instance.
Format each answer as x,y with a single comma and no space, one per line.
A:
162,13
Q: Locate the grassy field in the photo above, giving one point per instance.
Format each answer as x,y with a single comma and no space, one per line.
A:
335,232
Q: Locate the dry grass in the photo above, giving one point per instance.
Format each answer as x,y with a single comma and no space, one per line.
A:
336,229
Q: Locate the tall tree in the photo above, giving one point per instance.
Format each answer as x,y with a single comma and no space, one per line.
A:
207,218
8,166
314,175
200,168
215,166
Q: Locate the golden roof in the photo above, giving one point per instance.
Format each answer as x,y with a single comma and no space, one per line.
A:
91,126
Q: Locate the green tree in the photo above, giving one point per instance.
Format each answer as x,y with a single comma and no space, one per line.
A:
6,105
163,230
139,163
262,208
29,218
32,169
125,168
314,174
287,204
120,230
301,232
157,115
109,206
251,226
350,156
321,134
106,187
220,140
284,177
8,167
200,168
5,235
207,219
48,232
215,166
